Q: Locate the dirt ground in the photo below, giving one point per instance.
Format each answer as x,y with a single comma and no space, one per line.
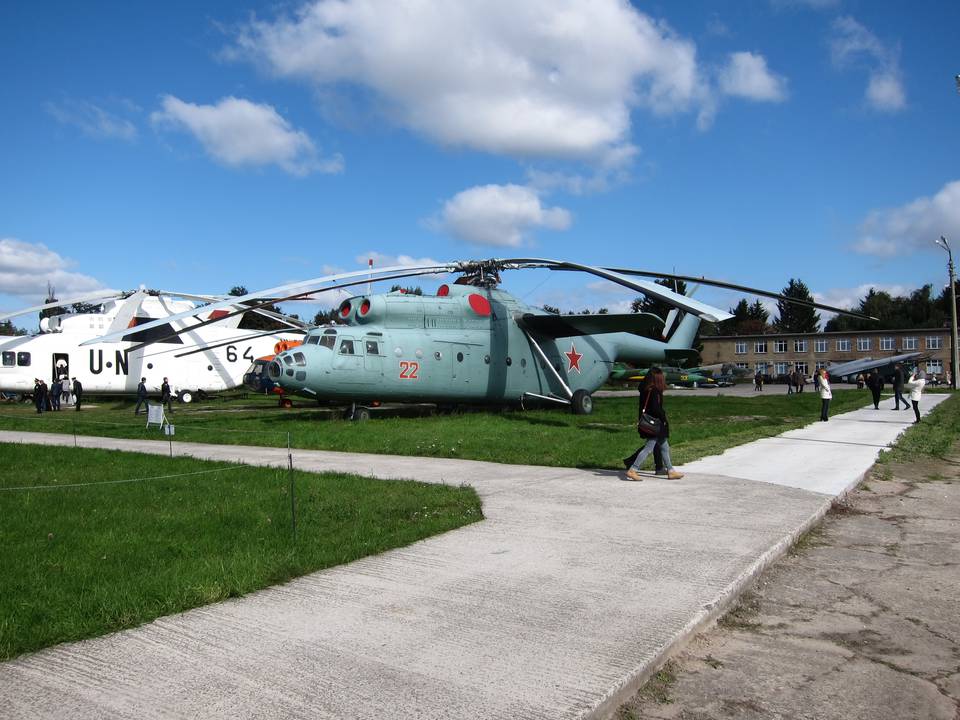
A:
860,620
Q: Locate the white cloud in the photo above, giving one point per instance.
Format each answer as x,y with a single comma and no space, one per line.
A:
382,260
850,297
746,75
26,268
92,120
917,224
541,78
237,132
498,215
854,44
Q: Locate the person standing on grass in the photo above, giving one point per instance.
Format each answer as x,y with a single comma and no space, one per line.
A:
141,395
825,394
56,389
875,383
77,394
651,402
915,385
166,397
38,393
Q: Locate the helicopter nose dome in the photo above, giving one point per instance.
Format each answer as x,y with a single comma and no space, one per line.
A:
274,370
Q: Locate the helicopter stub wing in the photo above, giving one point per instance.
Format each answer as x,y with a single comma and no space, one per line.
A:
576,325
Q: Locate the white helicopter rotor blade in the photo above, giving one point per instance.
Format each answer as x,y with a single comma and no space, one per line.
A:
279,294
127,311
100,295
668,323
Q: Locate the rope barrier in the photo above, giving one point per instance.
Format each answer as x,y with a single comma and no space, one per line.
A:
130,480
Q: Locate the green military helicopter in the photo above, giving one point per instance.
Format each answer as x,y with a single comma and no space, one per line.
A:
471,343
673,376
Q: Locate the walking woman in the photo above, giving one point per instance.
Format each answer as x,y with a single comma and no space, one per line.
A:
651,403
915,386
825,394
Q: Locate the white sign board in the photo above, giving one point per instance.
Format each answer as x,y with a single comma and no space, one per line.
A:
154,415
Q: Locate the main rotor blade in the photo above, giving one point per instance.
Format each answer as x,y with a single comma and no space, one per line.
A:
99,295
276,292
426,271
744,288
702,310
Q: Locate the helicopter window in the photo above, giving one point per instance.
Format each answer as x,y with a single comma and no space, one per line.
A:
509,361
373,347
459,357
23,359
328,341
301,360
438,355
346,347
486,359
9,359
149,366
313,340
288,360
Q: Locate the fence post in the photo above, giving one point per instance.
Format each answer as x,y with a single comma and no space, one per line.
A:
293,503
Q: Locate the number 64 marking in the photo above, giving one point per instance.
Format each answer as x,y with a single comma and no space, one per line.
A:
409,370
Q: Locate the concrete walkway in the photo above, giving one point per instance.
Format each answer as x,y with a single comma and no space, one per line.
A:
558,605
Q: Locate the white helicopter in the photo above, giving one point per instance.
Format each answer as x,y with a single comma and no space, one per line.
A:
196,362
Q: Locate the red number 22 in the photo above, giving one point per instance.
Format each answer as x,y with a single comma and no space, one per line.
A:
409,370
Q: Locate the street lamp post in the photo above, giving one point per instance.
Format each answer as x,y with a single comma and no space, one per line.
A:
942,242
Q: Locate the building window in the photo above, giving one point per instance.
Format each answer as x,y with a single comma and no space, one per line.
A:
779,346
934,342
799,345
782,368
935,367
843,345
909,343
740,347
887,343
820,364
863,344
760,347
762,368
802,368
743,366
820,346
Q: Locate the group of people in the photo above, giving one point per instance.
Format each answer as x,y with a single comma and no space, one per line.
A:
166,396
48,398
914,383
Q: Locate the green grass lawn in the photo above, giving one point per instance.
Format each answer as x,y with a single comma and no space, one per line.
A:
699,426
77,562
934,437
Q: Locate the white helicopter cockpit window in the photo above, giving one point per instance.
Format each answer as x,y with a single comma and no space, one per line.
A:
23,359
9,359
288,360
300,359
372,347
346,347
313,340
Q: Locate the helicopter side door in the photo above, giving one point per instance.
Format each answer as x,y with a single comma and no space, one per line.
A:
61,366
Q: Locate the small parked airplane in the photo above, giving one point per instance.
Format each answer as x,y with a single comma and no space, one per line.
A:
850,370
223,352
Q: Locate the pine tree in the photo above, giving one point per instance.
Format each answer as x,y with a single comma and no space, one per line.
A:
795,318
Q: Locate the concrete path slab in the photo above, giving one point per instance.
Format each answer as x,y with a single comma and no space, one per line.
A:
558,605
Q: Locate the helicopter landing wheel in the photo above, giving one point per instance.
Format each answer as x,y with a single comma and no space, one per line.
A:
361,414
186,397
286,402
582,403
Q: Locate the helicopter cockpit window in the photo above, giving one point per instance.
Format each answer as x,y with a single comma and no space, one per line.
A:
328,341
300,359
9,359
23,359
346,347
288,359
373,347
313,340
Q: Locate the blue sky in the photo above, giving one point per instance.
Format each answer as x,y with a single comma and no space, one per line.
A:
196,146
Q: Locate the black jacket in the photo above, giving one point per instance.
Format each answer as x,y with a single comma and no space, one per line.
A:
77,388
898,379
165,392
141,391
875,382
655,408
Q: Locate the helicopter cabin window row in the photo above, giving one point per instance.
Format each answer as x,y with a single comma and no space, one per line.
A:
21,359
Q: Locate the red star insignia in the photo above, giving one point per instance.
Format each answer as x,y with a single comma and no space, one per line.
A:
573,357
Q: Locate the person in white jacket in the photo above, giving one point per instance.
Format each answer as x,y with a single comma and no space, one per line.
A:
825,394
915,385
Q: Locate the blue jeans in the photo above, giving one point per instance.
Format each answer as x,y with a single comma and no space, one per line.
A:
648,448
